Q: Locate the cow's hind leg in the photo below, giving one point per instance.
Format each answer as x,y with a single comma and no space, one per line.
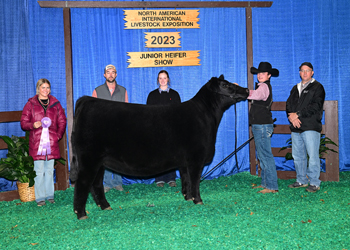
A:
97,191
88,170
81,192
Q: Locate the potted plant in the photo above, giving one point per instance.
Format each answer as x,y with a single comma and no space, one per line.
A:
19,166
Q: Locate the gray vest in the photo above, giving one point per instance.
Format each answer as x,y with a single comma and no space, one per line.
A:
102,92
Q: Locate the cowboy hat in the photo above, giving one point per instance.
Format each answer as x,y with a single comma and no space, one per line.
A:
264,67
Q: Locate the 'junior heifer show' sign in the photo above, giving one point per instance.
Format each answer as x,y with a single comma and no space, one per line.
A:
163,58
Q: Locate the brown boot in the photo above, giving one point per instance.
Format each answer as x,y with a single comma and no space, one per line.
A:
266,190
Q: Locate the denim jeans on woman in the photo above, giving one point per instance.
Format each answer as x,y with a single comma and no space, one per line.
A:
44,184
262,137
303,144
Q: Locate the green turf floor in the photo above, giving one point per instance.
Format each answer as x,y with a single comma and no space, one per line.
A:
234,216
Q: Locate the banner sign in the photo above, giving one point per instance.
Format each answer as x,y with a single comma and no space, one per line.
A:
161,19
163,58
162,39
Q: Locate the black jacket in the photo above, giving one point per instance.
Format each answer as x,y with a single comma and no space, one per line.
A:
309,106
163,98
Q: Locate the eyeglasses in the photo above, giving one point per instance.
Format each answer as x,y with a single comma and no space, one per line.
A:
305,71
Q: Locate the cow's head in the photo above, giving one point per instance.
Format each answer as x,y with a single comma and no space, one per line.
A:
230,93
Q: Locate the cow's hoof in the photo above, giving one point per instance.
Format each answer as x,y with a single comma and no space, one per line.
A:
188,198
83,218
108,208
199,203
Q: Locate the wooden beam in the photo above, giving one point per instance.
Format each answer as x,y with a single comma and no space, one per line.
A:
69,75
330,129
9,195
286,175
10,116
155,4
250,80
62,173
278,106
249,49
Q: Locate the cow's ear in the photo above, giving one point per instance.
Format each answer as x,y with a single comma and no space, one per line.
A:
222,77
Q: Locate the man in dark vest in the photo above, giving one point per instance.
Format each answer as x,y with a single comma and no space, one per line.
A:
110,90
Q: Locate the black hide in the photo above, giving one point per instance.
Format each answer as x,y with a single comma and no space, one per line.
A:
145,140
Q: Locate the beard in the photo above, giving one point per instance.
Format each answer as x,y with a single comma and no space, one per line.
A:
110,80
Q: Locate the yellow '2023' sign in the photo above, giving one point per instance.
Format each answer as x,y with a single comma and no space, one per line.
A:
162,39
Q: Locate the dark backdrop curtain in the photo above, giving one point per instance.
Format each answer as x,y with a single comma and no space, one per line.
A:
287,34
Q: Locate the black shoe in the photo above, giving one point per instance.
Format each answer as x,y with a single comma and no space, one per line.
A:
172,184
160,184
41,203
312,189
52,201
297,185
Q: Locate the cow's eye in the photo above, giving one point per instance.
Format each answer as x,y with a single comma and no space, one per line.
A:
225,85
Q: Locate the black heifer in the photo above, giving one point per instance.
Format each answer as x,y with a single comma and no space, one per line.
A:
145,140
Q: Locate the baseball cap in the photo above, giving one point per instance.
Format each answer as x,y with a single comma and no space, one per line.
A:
307,64
110,66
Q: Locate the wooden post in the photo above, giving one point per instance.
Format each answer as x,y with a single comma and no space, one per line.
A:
330,130
250,80
69,75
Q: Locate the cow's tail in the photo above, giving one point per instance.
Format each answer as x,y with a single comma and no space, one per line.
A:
74,166
74,169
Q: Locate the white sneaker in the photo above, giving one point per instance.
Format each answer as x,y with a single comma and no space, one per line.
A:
119,188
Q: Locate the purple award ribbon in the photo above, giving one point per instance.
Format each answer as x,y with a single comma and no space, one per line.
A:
44,146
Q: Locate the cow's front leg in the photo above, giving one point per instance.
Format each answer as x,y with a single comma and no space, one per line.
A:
194,179
186,188
97,191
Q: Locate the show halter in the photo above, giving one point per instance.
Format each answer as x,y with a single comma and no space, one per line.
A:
44,147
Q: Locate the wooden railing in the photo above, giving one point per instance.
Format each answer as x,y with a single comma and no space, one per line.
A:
62,173
329,129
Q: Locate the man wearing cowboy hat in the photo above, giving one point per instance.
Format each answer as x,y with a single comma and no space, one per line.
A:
260,118
304,109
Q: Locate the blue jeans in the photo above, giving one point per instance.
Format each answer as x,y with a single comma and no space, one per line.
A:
262,137
303,144
44,185
112,179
